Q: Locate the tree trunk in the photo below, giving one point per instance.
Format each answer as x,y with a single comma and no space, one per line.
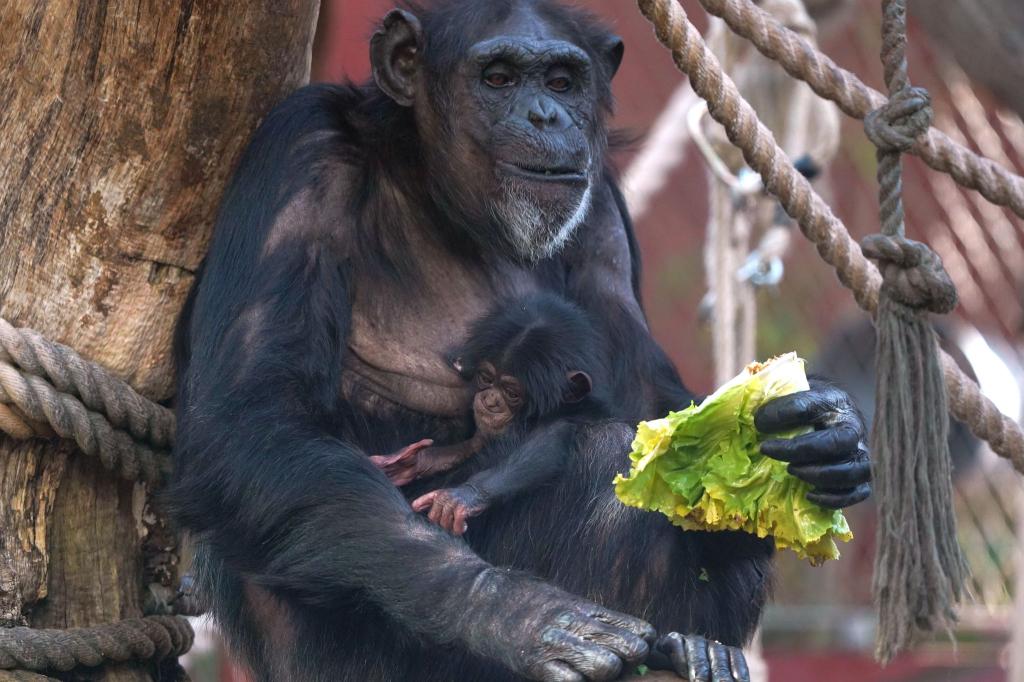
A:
986,37
119,125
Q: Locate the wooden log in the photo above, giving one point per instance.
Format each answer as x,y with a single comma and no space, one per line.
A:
119,125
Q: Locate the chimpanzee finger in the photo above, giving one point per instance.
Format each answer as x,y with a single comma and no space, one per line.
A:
412,450
595,661
424,501
673,647
436,511
827,445
698,665
556,671
738,663
718,659
847,474
840,499
620,641
634,626
459,525
448,516
805,408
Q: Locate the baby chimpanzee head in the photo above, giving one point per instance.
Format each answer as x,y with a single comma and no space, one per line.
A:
528,358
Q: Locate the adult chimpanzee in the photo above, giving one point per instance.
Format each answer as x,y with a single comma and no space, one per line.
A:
532,363
365,228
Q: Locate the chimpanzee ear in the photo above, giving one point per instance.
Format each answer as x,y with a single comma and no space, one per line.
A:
613,50
395,55
580,386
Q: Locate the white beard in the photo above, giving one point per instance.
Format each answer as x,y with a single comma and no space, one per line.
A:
537,232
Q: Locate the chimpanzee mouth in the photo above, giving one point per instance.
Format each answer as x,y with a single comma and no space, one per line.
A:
543,173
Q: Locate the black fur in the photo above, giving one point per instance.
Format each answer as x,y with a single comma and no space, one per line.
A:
315,563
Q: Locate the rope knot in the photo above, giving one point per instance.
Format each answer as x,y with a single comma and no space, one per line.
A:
896,125
912,273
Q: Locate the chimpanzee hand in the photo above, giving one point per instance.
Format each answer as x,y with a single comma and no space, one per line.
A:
450,507
403,466
834,457
697,659
544,633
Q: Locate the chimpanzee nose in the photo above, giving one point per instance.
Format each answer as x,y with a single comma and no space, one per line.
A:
545,113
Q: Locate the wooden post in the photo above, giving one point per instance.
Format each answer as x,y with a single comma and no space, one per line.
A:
119,125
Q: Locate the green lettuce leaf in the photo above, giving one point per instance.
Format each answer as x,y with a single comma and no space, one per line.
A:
703,469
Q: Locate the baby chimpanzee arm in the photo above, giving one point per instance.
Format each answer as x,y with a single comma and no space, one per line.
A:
531,463
535,460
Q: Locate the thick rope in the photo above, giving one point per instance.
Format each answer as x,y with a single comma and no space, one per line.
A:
153,638
803,61
97,388
811,213
46,388
39,402
24,676
919,569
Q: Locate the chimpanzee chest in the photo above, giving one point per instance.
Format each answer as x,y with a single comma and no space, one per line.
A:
403,343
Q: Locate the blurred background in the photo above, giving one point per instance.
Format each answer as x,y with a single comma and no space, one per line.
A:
970,55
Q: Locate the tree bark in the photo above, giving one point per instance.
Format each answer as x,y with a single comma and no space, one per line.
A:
119,125
985,37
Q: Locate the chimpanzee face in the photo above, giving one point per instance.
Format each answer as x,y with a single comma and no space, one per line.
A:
511,118
533,120
499,396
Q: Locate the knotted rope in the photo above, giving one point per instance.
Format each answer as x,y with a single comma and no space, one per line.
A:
153,638
919,569
47,388
803,61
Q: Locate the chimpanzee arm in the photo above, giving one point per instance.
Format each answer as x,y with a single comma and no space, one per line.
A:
262,479
536,460
528,464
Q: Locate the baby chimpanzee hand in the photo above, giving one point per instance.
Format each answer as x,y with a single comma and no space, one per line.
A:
450,507
403,466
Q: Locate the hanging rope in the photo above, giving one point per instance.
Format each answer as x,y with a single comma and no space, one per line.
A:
803,61
919,569
153,638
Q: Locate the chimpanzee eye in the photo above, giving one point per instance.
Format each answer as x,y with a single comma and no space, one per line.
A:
484,379
559,84
498,76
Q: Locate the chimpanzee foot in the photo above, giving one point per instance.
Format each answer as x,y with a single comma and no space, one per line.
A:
698,659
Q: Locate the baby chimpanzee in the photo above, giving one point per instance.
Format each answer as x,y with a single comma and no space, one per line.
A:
532,361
